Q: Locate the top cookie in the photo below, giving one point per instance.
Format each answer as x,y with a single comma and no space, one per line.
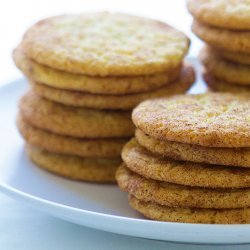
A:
212,120
105,44
229,14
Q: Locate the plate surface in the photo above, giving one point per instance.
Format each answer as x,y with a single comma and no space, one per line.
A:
102,207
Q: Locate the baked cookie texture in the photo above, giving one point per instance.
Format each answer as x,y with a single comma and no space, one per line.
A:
110,85
106,148
190,159
231,40
86,73
190,215
211,120
72,121
105,44
225,27
172,195
225,70
151,166
237,57
74,167
218,85
238,157
228,14
120,102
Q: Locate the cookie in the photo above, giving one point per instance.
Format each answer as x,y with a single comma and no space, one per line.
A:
228,71
74,167
232,40
92,84
122,102
218,85
173,195
229,14
105,44
145,163
72,121
211,120
238,157
190,215
107,148
236,57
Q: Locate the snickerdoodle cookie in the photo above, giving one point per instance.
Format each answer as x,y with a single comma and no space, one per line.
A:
212,120
105,44
72,121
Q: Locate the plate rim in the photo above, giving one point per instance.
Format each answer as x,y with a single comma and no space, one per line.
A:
50,207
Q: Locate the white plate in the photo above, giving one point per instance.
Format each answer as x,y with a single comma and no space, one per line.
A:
102,207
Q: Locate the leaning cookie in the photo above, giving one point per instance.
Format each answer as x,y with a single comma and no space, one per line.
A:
235,73
236,41
120,102
106,148
226,14
190,215
237,57
173,195
74,167
151,166
218,85
238,157
72,121
109,85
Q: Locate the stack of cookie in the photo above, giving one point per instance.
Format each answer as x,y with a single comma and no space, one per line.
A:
190,160
86,73
225,26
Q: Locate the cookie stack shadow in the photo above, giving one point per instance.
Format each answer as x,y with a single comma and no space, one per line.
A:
226,31
77,115
190,159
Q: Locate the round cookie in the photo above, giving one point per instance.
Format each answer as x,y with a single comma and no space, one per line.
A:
236,57
228,71
212,120
238,157
232,40
219,85
108,148
90,84
122,102
190,215
105,44
74,167
145,163
72,121
173,195
229,14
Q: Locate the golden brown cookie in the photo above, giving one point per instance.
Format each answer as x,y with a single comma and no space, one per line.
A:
235,73
74,167
122,102
92,84
239,157
229,14
218,85
72,121
145,163
232,40
212,120
236,57
173,195
191,215
108,148
105,44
